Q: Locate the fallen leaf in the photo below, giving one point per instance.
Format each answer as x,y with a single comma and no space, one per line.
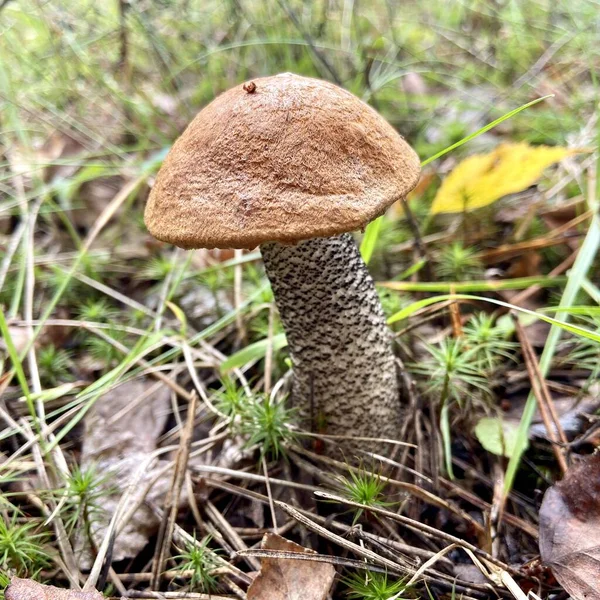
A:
288,579
497,435
571,410
470,573
26,589
119,436
482,179
570,530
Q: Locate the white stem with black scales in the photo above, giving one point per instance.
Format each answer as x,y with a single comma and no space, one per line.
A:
345,380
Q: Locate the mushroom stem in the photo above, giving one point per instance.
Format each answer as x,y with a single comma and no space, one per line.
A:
345,380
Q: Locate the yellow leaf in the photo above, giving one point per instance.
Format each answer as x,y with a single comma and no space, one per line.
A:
484,178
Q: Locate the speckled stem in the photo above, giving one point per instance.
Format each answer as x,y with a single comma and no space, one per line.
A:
345,380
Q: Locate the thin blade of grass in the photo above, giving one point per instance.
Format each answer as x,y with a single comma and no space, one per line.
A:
518,283
254,351
369,240
485,128
416,306
17,366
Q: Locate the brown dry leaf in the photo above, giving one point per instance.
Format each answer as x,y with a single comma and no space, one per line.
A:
571,412
121,431
570,530
286,579
25,589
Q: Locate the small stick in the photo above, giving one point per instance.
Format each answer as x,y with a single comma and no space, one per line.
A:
269,494
542,395
340,541
368,554
171,505
346,529
232,536
320,558
183,595
411,523
551,239
410,488
417,240
519,298
457,329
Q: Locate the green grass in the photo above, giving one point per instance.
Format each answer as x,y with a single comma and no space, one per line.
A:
23,549
200,559
371,585
266,423
363,486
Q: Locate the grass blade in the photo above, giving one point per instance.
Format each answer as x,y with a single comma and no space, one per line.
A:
369,240
485,128
562,325
518,283
254,351
583,262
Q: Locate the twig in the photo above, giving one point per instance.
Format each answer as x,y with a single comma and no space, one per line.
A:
234,539
123,512
412,524
542,395
171,506
448,581
410,488
269,494
340,541
457,330
182,595
320,558
522,296
417,240
343,527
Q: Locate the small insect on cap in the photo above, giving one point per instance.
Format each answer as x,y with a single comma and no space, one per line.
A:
279,159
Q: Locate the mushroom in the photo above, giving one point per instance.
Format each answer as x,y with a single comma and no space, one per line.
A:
293,164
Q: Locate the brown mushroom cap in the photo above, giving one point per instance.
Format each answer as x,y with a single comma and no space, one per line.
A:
286,159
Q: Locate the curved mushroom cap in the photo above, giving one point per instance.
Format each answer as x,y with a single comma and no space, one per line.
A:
284,158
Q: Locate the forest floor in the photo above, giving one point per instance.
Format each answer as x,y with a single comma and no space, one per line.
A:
146,442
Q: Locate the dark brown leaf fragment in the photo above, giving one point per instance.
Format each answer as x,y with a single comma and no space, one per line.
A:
570,530
285,579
